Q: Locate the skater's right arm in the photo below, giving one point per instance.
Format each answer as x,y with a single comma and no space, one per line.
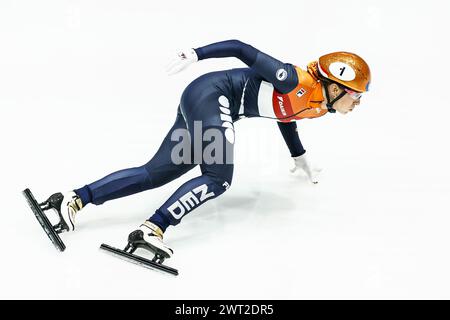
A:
282,75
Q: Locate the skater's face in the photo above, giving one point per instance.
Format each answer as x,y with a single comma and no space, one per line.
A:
345,104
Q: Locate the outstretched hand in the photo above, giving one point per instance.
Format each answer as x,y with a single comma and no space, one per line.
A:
183,59
302,163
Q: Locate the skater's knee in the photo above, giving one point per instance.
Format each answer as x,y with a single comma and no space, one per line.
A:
221,183
147,182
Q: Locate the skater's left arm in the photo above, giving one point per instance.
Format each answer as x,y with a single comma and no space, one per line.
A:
290,135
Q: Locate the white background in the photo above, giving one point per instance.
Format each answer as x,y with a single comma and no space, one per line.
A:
83,93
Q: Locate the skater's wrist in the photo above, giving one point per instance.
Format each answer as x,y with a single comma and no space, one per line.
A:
298,154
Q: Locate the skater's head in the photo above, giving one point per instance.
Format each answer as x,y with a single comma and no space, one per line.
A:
345,77
349,100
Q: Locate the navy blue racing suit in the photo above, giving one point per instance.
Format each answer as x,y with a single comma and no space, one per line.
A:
213,101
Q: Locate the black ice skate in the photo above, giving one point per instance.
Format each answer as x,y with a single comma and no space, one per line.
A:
64,205
148,237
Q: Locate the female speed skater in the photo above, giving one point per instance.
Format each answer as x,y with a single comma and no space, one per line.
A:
210,105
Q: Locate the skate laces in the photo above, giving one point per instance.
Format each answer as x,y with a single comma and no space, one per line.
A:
154,229
75,204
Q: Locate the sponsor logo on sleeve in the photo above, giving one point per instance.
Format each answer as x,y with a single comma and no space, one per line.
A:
281,74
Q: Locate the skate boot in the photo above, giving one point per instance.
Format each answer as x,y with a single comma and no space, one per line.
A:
150,237
66,206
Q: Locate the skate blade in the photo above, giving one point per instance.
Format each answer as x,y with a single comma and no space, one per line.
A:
43,221
138,260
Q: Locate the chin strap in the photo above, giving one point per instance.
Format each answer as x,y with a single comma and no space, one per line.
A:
330,103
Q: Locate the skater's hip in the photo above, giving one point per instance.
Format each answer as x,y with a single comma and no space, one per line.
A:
206,94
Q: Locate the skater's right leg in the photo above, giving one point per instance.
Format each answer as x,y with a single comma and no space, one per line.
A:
66,205
157,172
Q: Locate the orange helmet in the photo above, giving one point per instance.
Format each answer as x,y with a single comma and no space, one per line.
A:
347,69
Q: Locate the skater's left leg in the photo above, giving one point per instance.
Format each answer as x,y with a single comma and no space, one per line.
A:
215,180
209,117
216,151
